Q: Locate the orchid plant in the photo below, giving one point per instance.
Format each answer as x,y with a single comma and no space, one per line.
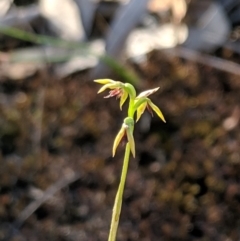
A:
137,104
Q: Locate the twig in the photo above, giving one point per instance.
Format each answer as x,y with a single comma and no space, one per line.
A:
32,207
215,62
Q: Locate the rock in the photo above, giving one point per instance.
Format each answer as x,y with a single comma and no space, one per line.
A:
64,17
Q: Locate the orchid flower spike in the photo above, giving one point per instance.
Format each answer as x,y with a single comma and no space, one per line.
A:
142,102
126,130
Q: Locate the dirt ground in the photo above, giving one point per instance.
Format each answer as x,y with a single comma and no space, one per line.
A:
184,183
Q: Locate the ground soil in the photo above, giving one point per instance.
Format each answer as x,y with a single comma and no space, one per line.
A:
184,183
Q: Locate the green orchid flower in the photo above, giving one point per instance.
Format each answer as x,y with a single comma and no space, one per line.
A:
142,102
118,89
126,130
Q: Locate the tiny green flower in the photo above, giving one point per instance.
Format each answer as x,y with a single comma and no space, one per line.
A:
118,89
126,130
142,102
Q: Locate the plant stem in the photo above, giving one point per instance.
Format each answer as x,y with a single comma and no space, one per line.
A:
118,199
130,108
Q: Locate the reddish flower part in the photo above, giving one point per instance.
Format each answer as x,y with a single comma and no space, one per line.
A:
115,92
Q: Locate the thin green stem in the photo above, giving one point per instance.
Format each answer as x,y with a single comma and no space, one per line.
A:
118,199
138,103
131,108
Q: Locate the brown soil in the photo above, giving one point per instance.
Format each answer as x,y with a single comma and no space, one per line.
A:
184,183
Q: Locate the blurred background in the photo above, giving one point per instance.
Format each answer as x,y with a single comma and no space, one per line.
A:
57,178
